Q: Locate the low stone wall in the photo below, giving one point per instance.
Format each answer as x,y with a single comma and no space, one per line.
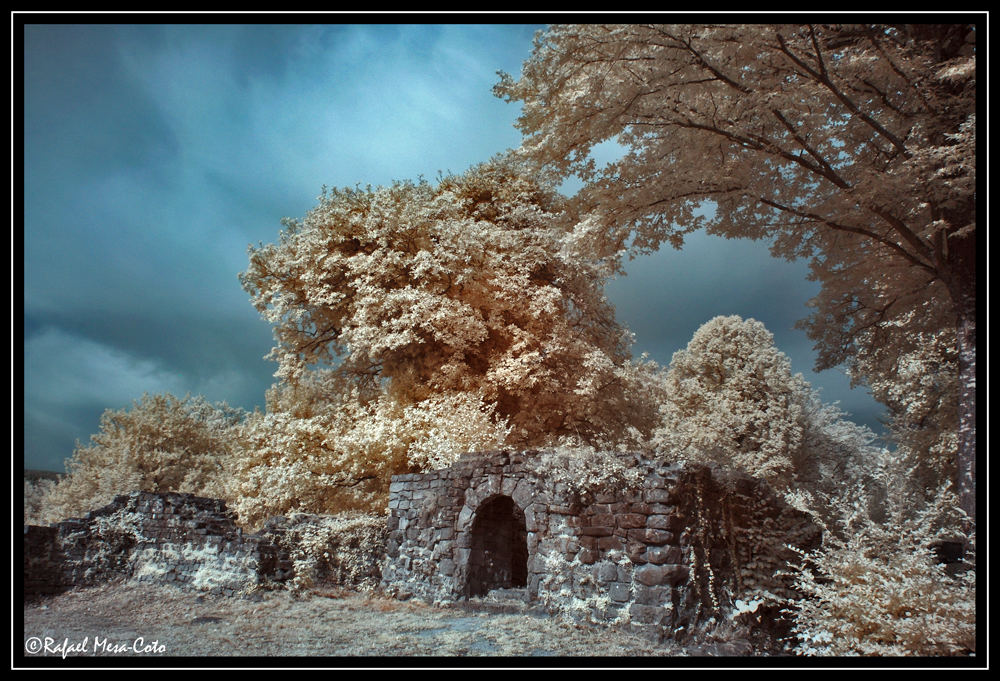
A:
194,542
165,538
671,554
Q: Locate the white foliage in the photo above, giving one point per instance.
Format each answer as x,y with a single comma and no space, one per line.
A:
161,444
853,145
731,399
879,590
418,321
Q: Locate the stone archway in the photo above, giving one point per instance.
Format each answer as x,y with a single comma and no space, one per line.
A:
499,547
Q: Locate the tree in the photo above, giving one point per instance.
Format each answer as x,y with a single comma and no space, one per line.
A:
920,388
160,444
732,399
428,309
324,446
850,145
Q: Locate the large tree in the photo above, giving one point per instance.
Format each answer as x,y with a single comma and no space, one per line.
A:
852,145
731,399
472,299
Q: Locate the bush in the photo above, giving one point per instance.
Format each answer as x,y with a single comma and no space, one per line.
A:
161,444
880,589
345,550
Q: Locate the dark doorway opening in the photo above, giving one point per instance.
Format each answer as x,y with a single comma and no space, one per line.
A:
499,557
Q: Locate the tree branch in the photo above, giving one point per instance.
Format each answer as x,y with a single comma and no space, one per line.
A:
853,230
829,172
824,79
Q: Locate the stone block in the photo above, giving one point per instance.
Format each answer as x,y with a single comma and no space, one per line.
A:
535,520
656,575
665,554
658,522
651,537
610,543
532,542
605,572
524,493
619,593
630,521
653,595
597,531
607,519
465,518
656,495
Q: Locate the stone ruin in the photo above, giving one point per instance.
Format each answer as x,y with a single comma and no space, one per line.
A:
672,554
168,538
662,558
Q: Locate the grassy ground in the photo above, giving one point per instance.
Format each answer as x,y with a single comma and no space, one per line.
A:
170,622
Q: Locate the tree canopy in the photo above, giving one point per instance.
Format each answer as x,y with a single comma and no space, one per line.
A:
851,145
476,284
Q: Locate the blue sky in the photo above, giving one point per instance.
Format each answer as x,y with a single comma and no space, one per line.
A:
154,154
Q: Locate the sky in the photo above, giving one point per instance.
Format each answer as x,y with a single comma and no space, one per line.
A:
155,154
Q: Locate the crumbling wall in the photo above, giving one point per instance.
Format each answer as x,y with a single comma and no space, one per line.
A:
662,557
194,542
165,538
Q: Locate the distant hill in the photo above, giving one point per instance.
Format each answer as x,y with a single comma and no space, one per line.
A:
35,475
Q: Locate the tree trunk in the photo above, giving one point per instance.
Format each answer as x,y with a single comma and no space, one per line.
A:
962,287
966,333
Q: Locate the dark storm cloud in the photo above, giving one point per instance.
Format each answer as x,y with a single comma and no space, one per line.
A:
155,154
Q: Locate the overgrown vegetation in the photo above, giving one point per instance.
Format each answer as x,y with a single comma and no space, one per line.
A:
881,589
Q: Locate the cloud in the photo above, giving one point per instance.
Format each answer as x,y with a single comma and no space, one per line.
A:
69,380
668,295
82,371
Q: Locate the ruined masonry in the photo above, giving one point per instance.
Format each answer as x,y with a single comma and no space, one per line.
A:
662,559
670,555
170,538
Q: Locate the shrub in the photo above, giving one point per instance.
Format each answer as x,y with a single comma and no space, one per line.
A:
879,589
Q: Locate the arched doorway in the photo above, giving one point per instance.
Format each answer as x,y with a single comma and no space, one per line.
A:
499,556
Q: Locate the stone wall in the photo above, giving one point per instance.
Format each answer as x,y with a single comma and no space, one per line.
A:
194,542
671,554
166,538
